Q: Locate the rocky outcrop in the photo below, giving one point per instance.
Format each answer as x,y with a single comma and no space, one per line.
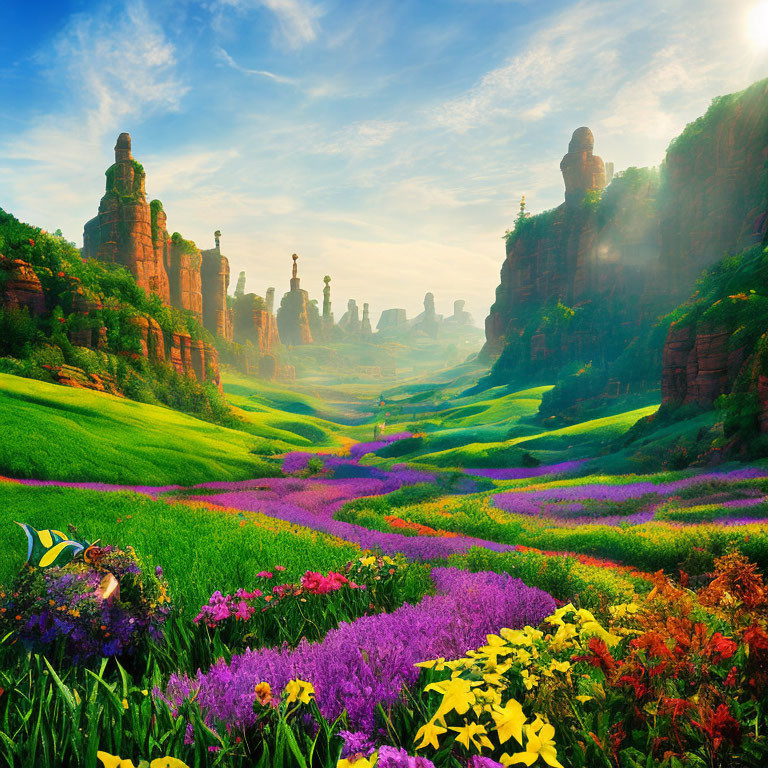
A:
121,233
293,314
20,286
391,319
185,278
715,179
350,320
428,321
215,283
697,364
460,316
582,171
584,280
252,323
365,323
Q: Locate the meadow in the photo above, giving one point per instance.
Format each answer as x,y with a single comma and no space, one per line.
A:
470,589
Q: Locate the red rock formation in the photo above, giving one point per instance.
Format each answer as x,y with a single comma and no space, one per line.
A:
252,323
714,180
122,232
293,314
21,286
215,282
582,171
185,278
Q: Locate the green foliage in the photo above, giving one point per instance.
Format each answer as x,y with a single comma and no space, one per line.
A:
155,206
53,432
184,246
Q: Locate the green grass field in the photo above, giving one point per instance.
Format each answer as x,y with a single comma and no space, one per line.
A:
54,432
201,549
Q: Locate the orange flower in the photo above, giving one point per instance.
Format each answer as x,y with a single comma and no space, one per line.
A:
263,693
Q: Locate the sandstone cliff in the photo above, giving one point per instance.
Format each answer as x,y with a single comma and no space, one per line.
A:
583,281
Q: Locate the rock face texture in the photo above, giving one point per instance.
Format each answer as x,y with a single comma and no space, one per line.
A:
582,171
186,287
428,321
580,282
365,323
121,233
293,314
20,286
215,283
252,323
134,233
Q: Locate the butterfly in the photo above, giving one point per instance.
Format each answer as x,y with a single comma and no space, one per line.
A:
50,547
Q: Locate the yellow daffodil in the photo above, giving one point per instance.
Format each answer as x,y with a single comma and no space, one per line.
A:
370,560
529,680
437,664
557,617
523,656
486,699
540,744
429,735
473,733
299,690
457,695
358,761
509,721
112,761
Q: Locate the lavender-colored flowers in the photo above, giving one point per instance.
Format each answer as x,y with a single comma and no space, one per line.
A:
367,662
312,503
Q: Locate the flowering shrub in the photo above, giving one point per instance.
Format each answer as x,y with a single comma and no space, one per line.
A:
108,606
676,678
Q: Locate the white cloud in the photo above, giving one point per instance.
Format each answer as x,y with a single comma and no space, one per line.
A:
297,20
221,54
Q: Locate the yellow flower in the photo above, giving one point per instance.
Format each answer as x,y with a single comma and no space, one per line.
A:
299,689
529,680
624,609
112,761
540,744
486,698
473,733
263,693
358,761
584,699
125,703
557,617
428,734
457,694
563,638
509,721
370,560
437,664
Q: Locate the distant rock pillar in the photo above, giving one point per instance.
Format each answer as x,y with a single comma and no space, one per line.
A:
240,287
327,314
270,300
365,324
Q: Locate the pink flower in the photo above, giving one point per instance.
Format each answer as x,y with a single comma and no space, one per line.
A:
221,612
244,611
279,567
264,575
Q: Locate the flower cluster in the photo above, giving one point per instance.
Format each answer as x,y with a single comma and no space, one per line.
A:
365,663
107,606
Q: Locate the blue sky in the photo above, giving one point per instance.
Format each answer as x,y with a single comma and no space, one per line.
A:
387,142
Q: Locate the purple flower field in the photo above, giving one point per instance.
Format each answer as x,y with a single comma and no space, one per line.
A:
367,662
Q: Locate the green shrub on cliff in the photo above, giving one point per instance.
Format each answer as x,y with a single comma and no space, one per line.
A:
68,282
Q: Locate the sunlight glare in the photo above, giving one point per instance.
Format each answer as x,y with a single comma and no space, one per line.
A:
757,25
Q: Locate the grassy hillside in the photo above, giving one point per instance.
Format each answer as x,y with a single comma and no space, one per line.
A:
200,549
54,432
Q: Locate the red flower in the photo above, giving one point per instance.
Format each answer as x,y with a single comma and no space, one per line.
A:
756,638
60,274
654,644
599,656
31,242
720,726
721,647
730,680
